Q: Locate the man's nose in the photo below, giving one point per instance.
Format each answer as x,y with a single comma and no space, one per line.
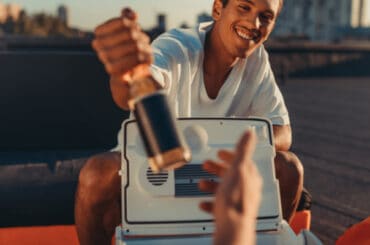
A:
254,22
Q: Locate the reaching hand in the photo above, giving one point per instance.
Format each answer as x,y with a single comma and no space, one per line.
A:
238,196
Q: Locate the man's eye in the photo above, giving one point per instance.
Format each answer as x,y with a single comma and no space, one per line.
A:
244,7
265,18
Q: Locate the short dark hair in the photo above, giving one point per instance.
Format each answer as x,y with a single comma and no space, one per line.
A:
224,2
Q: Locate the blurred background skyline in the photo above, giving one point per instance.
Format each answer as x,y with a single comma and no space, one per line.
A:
88,15
308,20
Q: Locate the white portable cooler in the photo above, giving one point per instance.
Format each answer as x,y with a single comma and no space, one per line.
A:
164,208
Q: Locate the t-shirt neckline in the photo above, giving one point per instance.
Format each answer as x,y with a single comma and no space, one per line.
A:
203,29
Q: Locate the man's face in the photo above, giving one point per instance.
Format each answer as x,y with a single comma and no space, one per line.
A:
243,25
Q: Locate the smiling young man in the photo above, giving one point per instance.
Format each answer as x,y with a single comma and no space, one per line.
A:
218,69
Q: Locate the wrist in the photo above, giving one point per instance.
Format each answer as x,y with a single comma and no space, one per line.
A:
236,233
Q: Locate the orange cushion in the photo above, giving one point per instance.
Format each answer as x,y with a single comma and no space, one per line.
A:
301,220
39,235
358,234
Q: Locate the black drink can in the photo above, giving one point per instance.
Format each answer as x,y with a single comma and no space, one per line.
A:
163,144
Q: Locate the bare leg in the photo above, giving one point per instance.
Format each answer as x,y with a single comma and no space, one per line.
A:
289,172
97,206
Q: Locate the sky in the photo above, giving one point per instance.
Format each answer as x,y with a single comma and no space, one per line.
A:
87,14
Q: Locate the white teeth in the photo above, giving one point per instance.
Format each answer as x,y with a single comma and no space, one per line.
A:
243,35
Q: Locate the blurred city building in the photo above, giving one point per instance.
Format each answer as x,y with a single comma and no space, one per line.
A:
161,22
9,11
16,24
322,20
63,14
3,13
360,15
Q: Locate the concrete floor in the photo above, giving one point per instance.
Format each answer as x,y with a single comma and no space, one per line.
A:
331,129
331,133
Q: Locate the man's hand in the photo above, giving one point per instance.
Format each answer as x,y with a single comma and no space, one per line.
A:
122,46
237,196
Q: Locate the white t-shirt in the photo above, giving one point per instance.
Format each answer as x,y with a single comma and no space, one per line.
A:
250,89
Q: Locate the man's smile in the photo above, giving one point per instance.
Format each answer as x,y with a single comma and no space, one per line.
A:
247,34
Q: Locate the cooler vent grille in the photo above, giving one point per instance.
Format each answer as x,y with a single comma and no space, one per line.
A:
156,179
187,178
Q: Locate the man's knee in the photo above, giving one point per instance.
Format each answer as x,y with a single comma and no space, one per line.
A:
99,176
289,172
289,166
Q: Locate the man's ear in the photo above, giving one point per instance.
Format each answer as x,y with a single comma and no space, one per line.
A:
217,9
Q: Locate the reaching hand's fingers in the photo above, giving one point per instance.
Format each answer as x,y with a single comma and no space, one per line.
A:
207,207
249,179
245,148
250,144
215,168
236,182
208,186
258,181
226,156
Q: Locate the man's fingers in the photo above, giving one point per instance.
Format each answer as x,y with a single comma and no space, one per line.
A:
127,63
111,26
226,156
207,207
119,52
121,36
129,13
208,186
127,20
212,167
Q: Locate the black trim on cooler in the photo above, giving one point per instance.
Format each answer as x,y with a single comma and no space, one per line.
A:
192,119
